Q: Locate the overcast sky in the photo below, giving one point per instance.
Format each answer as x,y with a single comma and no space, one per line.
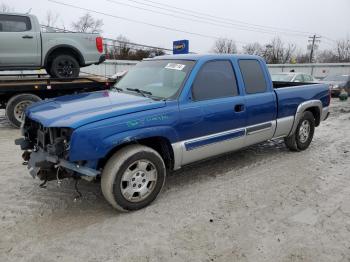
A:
329,18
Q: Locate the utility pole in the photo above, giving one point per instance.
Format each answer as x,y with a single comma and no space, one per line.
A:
313,40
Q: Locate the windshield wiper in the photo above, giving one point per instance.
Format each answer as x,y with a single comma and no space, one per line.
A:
118,89
142,92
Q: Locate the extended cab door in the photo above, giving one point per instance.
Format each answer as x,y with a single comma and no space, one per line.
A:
19,42
260,101
212,121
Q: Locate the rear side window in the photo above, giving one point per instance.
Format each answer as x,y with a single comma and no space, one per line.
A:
307,78
215,79
299,78
253,76
14,23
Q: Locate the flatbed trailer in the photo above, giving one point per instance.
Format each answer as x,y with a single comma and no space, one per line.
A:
16,93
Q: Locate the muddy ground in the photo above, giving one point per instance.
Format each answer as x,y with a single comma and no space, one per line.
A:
260,204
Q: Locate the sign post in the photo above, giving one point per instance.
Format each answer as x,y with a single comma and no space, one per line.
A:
181,47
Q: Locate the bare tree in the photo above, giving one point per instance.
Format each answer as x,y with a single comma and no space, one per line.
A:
225,46
6,8
277,52
327,56
123,50
302,57
88,24
253,49
51,19
343,50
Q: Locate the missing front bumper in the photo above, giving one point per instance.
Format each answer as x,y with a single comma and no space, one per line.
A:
42,161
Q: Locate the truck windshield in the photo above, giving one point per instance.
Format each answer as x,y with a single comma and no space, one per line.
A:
282,77
156,78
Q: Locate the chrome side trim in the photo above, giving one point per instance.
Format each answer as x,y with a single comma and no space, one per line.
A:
259,128
260,135
325,112
284,126
300,110
183,155
217,138
177,149
203,152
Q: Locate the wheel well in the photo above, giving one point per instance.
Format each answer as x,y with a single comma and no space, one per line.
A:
316,113
159,144
63,50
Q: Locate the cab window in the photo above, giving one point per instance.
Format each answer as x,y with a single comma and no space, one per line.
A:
14,23
253,76
216,79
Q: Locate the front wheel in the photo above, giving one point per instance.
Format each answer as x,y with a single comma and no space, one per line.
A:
302,137
133,177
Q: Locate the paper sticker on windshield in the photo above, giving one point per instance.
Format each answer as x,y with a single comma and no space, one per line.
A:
175,66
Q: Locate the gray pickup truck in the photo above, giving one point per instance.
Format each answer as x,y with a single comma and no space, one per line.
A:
24,47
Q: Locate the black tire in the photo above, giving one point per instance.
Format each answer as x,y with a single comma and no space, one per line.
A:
116,168
16,105
298,142
64,66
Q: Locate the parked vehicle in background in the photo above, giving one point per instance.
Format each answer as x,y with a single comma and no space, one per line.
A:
337,82
24,47
165,113
292,77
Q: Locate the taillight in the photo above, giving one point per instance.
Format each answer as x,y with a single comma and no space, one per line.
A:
99,44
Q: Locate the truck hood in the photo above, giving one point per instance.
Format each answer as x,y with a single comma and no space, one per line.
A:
77,110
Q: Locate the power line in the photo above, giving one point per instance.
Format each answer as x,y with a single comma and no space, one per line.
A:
138,22
205,20
207,16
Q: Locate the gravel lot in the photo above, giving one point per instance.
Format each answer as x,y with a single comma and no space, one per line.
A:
263,203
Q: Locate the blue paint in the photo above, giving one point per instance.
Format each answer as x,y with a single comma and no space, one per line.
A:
193,145
181,47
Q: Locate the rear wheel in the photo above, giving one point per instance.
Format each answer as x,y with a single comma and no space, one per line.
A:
302,137
133,177
16,106
64,66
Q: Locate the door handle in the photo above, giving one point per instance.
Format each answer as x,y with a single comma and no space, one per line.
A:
239,108
27,37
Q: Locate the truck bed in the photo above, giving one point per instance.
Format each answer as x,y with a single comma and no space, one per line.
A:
291,95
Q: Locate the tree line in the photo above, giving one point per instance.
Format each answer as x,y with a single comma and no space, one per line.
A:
278,52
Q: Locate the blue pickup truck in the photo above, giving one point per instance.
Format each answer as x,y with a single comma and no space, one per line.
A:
165,113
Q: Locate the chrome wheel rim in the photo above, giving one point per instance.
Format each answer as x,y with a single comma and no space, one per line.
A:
19,109
304,131
138,180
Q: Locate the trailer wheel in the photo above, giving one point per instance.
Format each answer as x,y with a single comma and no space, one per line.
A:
133,177
304,133
64,66
16,106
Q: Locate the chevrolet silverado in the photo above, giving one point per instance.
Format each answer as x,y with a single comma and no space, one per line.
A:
167,112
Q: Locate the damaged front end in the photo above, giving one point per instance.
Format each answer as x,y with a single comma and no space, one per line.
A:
46,152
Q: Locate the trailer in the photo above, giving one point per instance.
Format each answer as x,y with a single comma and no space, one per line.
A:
18,91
